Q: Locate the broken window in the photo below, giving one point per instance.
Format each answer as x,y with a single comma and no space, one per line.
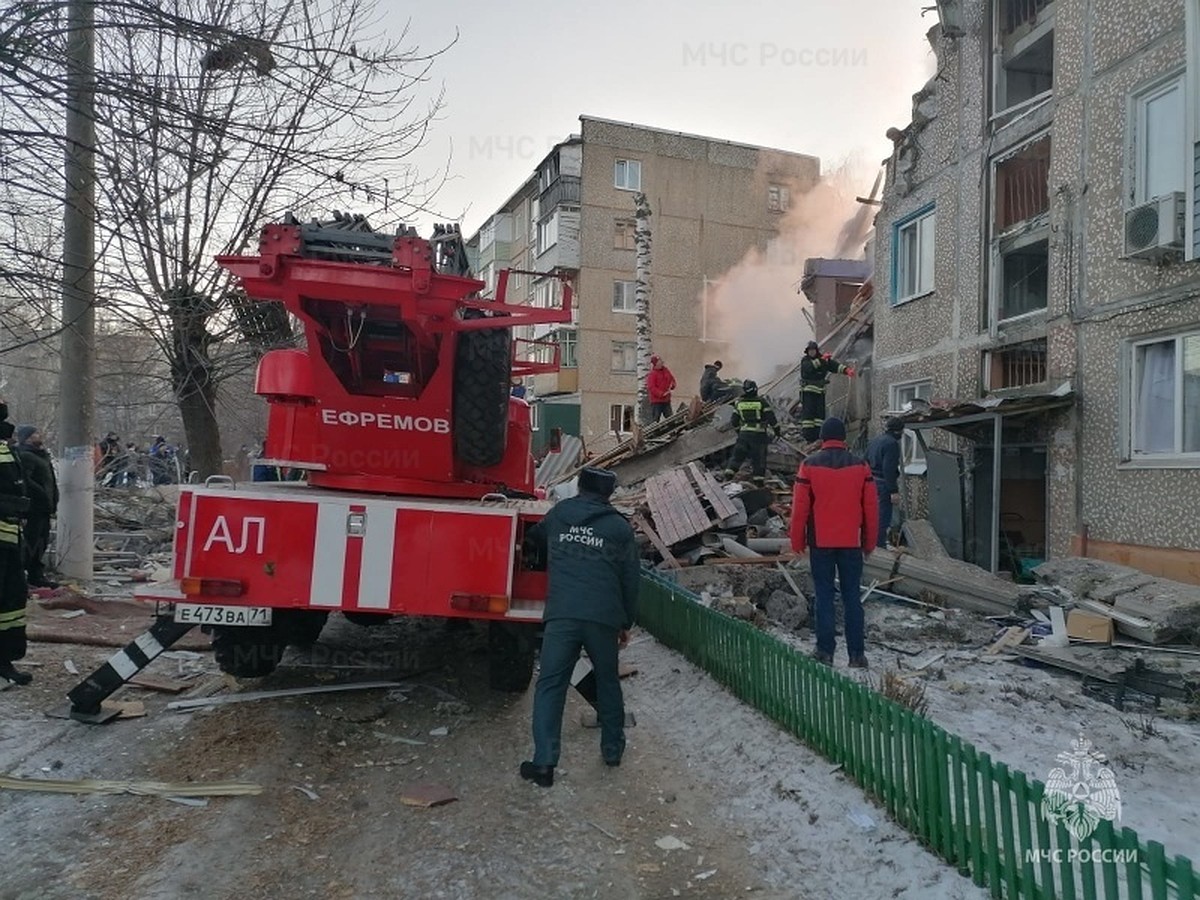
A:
1166,396
624,356
913,246
1020,365
779,198
624,234
900,398
620,418
1024,51
1023,277
1023,185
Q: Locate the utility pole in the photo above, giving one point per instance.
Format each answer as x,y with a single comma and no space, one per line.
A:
641,293
75,535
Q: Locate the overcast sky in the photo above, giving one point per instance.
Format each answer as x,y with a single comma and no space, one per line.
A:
826,79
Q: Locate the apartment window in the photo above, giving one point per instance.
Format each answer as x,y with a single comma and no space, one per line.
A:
1020,365
779,198
547,232
1023,276
1159,143
620,418
624,296
487,235
912,247
625,234
1166,397
535,207
624,356
627,174
1025,57
1021,185
544,294
489,278
568,343
514,284
900,398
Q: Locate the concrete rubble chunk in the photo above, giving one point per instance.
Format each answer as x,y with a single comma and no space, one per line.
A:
787,609
1079,576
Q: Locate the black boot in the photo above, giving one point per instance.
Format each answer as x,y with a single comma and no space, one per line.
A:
7,671
542,776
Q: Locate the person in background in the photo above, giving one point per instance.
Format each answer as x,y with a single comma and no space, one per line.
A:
835,517
41,486
815,370
752,416
710,382
517,389
659,384
594,570
14,592
883,456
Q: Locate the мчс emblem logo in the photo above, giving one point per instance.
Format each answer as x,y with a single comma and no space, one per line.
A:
1083,792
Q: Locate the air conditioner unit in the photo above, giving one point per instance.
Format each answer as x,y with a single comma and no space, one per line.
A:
1156,229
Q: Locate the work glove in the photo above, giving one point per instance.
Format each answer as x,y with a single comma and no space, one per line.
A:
827,357
849,371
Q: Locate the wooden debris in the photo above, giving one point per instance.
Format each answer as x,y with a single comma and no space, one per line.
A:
645,528
157,683
1013,636
140,788
427,796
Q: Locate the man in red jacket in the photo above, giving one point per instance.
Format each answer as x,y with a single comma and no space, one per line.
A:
659,384
836,516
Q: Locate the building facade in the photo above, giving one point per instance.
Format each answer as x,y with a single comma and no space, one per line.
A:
711,202
1038,302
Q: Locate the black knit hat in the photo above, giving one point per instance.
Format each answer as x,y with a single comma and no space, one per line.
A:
597,481
24,432
893,426
834,429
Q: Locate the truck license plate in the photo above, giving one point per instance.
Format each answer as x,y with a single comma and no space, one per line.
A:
223,615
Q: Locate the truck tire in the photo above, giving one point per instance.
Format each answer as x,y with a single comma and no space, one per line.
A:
512,648
247,652
302,627
482,372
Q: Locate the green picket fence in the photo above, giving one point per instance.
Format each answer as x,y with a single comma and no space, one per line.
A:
980,816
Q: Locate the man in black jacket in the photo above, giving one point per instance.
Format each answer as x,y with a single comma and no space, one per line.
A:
13,590
883,456
593,565
752,416
42,487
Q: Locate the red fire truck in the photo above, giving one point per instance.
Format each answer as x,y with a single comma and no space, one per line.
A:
419,476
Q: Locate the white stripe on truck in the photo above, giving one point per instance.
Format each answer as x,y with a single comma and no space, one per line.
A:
328,567
379,543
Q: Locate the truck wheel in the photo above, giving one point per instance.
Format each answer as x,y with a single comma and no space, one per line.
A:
247,652
511,651
302,627
482,371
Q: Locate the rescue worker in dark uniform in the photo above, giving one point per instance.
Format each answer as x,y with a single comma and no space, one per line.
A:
815,370
593,566
752,416
13,590
41,486
883,456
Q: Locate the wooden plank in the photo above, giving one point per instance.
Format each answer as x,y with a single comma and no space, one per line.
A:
721,504
642,525
689,503
672,526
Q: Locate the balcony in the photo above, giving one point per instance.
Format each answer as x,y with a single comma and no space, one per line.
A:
564,189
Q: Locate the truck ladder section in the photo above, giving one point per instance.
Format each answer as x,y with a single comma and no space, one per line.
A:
123,665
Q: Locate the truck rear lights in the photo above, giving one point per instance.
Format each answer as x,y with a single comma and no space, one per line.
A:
480,603
211,587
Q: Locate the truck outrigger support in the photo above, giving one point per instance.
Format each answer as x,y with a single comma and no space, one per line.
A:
87,696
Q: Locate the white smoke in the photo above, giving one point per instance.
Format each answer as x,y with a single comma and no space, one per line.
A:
756,306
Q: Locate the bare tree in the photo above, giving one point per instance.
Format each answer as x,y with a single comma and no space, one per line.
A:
214,117
641,213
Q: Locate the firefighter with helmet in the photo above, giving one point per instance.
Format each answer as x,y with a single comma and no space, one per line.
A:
752,416
815,370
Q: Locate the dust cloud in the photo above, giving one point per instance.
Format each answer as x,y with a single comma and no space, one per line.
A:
756,307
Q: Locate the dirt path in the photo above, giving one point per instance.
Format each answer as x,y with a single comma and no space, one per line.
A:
759,815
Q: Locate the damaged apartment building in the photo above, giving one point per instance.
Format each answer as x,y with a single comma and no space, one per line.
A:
711,201
1037,313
